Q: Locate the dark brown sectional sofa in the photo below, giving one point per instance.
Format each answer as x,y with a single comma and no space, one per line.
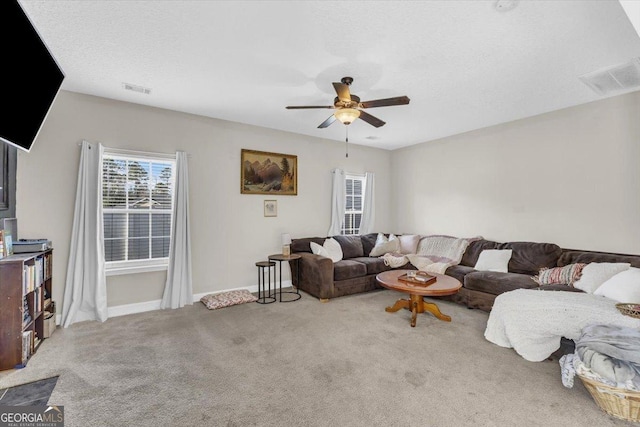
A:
356,272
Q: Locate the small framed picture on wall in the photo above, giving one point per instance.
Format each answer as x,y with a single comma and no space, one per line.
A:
270,208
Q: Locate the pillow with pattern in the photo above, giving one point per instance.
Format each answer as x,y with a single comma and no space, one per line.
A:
226,299
567,275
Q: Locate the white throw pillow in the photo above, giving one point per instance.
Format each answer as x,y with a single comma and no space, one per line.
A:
333,248
409,243
623,287
385,245
596,273
318,250
494,260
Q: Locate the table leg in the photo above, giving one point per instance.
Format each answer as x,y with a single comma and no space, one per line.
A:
269,276
433,309
401,303
297,276
414,313
259,298
418,305
280,262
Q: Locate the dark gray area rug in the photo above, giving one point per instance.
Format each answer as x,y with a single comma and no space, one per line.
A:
33,393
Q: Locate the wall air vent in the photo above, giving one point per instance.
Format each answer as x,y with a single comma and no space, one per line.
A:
614,80
136,88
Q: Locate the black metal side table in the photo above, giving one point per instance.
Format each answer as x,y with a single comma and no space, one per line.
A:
264,295
293,257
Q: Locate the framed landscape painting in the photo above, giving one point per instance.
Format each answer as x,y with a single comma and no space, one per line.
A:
268,173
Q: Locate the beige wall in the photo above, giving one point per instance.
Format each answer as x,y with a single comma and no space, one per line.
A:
229,231
570,177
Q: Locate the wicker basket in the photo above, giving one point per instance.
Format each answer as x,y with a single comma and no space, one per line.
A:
617,402
632,310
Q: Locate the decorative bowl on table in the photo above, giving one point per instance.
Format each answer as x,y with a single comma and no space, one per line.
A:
629,309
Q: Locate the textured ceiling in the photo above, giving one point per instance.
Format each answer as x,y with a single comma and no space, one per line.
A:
463,64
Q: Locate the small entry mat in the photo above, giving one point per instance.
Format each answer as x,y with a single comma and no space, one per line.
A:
226,299
34,393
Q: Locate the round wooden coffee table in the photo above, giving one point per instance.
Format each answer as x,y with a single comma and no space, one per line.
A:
444,285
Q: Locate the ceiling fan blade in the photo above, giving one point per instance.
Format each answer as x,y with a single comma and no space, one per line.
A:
327,122
343,92
373,121
304,107
398,100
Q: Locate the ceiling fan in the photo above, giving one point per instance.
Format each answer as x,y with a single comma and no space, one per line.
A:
349,108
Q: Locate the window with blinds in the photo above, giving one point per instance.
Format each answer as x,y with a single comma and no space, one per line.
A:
354,194
137,202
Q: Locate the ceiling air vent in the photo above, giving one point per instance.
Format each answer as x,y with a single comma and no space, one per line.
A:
614,80
136,88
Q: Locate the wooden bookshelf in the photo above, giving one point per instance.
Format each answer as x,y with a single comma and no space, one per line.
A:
25,287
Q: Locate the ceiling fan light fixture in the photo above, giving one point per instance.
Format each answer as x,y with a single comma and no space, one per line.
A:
347,115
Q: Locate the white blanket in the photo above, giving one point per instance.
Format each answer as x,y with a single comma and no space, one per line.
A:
394,260
532,321
437,253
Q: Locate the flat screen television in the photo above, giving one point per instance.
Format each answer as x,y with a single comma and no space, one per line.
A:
31,78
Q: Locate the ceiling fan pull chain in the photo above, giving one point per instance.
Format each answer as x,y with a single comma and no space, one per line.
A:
346,145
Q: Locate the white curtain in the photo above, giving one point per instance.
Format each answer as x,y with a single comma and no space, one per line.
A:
85,293
337,203
178,290
368,210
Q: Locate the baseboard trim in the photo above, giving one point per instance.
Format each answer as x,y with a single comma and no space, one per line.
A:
141,307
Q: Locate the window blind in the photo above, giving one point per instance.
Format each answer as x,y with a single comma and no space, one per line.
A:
137,203
354,191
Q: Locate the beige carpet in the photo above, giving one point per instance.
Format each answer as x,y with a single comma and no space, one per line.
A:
344,363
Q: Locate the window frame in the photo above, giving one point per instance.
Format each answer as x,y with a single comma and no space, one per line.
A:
363,181
114,268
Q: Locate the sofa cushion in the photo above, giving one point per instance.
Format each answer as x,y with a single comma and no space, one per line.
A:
475,248
459,271
570,256
303,245
348,269
374,265
351,246
368,242
496,283
530,257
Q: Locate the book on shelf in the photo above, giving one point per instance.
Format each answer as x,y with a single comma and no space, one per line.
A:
47,266
26,315
36,339
27,345
33,275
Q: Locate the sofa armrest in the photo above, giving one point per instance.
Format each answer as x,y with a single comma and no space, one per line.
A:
315,275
